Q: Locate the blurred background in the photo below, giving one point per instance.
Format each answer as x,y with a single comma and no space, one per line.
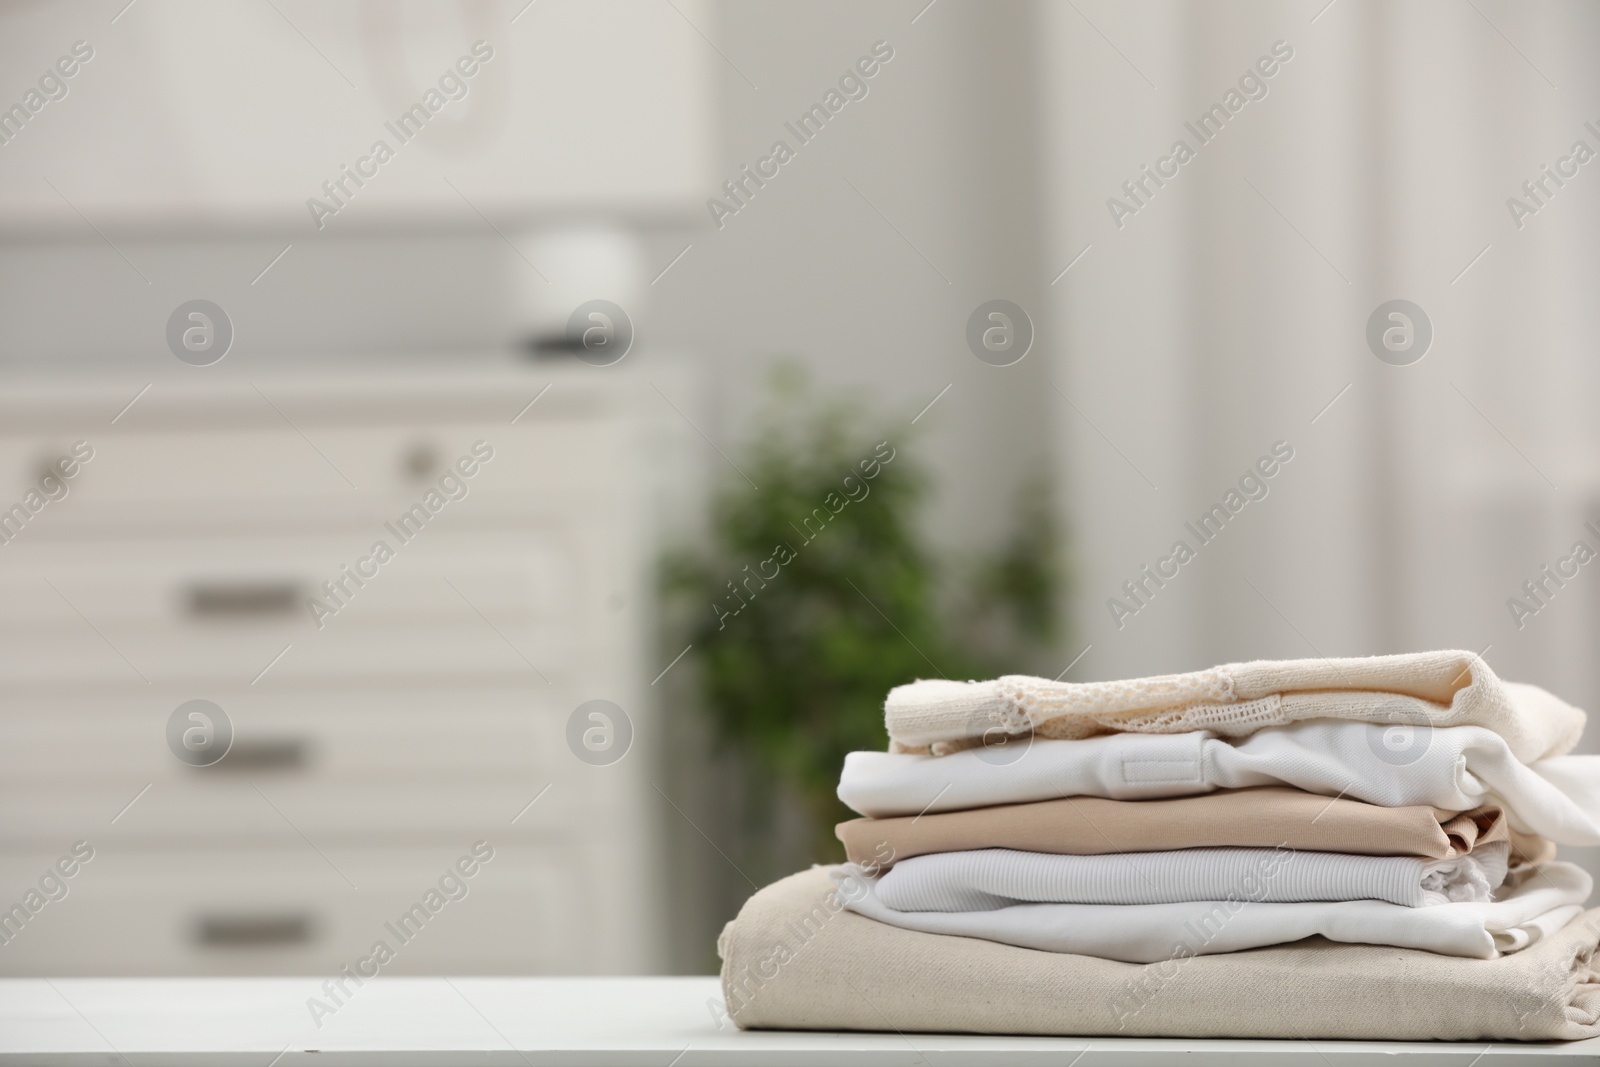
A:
657,344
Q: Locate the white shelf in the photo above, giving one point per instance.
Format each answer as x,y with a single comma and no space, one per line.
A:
554,1022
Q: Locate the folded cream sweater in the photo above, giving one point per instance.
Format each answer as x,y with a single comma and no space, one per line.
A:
1437,689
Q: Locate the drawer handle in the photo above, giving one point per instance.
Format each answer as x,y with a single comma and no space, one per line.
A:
252,931
263,754
243,599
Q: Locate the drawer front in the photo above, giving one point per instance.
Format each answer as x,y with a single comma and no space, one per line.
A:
335,816
340,769
368,467
285,912
470,649
480,602
265,582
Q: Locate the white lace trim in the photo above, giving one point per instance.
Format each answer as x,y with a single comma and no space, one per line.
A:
1171,704
1043,699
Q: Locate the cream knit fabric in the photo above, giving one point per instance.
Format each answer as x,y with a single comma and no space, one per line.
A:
1448,688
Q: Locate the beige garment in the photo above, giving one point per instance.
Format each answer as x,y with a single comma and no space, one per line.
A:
793,959
1235,700
1247,818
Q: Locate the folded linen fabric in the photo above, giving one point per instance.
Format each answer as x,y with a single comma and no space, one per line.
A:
1457,768
1264,817
1437,689
989,878
1146,933
796,959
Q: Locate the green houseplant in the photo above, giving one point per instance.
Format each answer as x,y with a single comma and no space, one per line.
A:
815,594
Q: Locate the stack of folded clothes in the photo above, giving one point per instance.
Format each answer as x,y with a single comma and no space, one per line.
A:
1355,848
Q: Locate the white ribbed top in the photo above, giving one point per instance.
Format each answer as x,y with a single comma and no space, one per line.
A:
1157,933
990,878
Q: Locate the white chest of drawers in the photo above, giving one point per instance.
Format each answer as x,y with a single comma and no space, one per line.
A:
373,745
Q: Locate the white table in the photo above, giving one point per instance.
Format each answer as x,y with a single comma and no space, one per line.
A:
553,1022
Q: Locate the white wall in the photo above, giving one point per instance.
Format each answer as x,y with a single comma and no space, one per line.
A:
942,145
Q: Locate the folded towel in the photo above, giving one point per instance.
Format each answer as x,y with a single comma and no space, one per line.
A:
1264,817
1457,768
796,959
1234,700
989,878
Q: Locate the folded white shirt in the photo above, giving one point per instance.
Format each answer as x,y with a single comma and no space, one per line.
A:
989,878
1543,902
1457,768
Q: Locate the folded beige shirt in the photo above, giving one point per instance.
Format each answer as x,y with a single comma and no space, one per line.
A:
1447,688
794,959
1245,818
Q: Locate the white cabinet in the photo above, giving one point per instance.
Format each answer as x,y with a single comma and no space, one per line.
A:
375,742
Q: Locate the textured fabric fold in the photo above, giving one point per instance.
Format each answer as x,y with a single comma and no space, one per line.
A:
985,879
1264,817
1457,768
796,958
1146,933
1423,689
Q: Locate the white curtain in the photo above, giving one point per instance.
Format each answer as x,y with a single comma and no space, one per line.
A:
1230,309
